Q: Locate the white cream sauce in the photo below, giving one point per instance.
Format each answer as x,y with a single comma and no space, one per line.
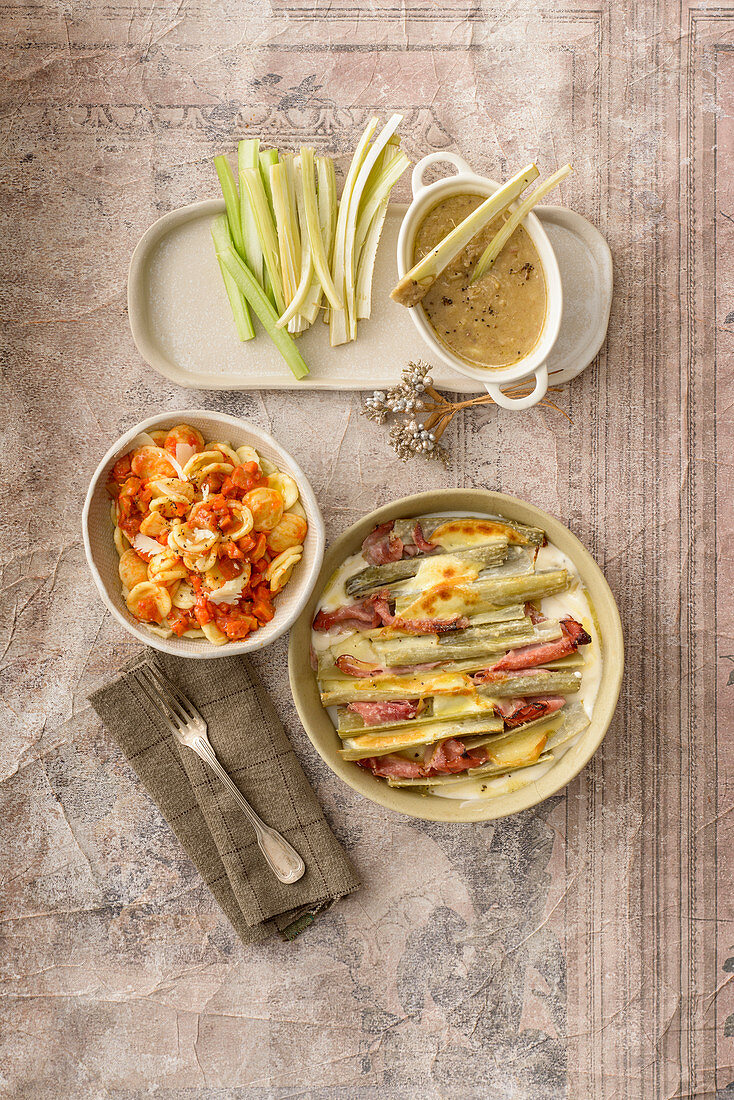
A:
573,602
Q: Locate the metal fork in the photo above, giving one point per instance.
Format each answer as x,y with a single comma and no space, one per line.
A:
190,729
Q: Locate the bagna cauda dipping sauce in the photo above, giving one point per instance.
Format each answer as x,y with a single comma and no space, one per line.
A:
496,322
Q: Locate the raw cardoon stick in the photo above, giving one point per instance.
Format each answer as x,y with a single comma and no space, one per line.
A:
261,304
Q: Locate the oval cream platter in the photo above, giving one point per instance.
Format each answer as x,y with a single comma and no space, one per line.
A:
182,325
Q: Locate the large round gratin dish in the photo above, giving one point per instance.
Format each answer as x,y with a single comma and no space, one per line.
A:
103,558
413,802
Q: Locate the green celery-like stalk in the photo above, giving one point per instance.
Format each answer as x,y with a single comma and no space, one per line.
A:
247,157
338,320
266,232
231,201
370,225
376,577
312,303
390,167
261,305
328,208
296,324
306,299
315,236
240,312
380,743
243,322
361,185
268,157
498,242
327,201
288,241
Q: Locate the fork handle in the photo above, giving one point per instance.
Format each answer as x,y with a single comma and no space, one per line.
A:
283,860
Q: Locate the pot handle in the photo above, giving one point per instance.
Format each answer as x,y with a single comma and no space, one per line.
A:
436,158
527,402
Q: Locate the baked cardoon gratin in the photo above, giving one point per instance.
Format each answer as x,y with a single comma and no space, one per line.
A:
458,654
207,535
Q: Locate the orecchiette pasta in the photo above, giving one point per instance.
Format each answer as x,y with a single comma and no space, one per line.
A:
266,506
267,467
247,454
213,634
205,463
154,525
286,486
185,597
280,569
122,543
149,602
206,534
132,569
151,462
167,567
229,454
242,521
291,531
191,540
200,563
183,435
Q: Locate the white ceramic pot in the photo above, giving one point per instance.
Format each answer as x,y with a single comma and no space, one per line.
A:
533,365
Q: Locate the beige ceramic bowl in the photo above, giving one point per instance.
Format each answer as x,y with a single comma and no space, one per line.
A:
102,555
318,724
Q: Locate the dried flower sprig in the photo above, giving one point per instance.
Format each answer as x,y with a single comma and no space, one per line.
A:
413,394
429,411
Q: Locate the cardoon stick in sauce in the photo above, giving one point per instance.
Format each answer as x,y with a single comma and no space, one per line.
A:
496,322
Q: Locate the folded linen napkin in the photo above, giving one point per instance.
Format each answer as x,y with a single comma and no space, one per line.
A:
252,746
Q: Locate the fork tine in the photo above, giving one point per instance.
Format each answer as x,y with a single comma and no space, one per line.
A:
157,700
159,689
183,701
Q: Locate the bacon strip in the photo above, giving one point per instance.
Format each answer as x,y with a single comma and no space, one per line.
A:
366,614
534,614
353,667
374,611
381,546
518,711
530,656
423,545
392,767
382,608
430,626
489,676
448,757
376,714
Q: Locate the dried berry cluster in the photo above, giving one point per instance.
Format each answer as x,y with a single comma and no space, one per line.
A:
413,394
428,411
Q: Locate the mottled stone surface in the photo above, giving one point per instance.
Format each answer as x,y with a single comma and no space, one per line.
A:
581,950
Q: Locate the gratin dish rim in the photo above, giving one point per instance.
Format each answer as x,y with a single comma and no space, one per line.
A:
413,803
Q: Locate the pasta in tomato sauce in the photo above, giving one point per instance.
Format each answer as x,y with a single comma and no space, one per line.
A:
207,535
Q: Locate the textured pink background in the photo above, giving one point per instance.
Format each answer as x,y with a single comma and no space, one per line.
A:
583,950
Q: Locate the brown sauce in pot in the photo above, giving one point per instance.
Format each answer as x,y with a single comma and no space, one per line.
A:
496,322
